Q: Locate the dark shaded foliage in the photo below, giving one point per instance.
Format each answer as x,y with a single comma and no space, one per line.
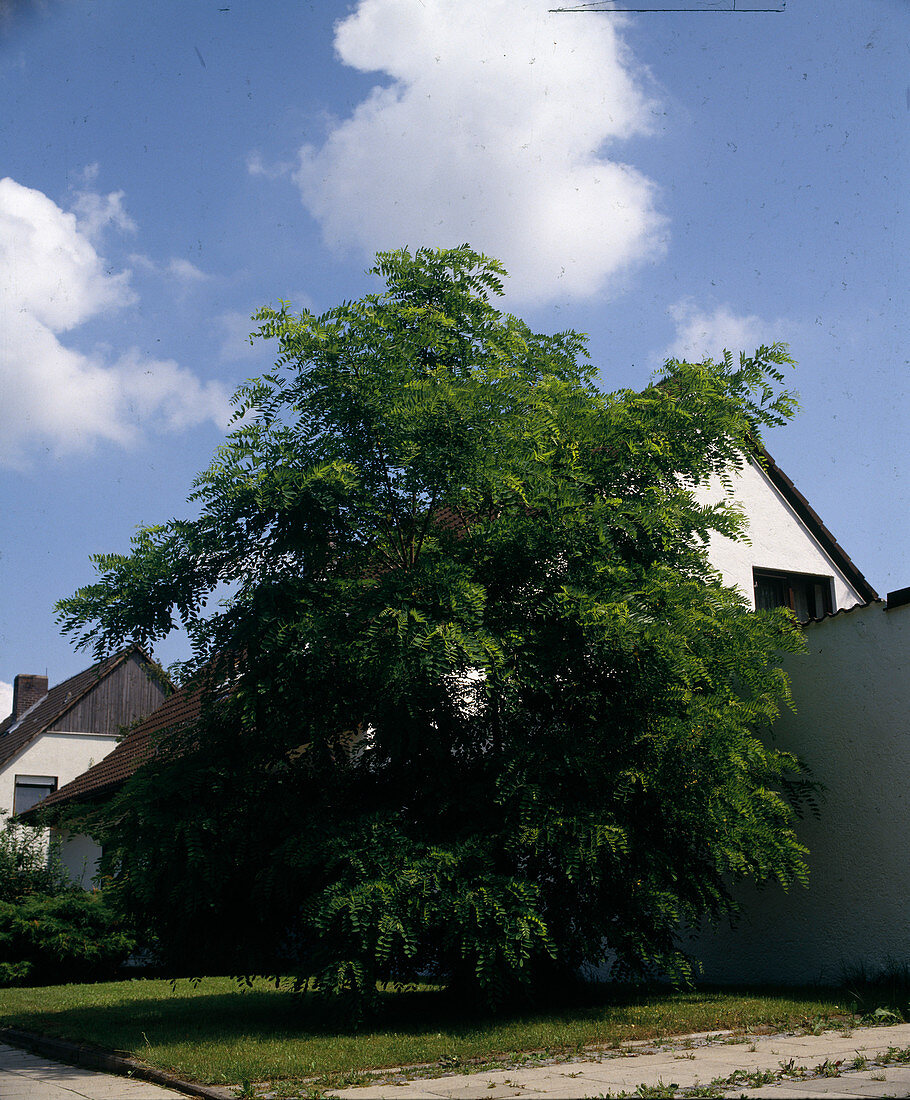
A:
70,937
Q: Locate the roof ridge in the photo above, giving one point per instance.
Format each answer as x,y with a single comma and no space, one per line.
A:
18,722
846,611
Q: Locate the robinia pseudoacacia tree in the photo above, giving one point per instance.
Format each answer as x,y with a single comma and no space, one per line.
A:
477,704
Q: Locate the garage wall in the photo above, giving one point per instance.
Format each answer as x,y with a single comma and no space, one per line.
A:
852,727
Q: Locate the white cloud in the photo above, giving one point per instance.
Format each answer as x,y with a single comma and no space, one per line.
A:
176,268
706,335
96,212
235,344
6,699
52,280
493,131
183,269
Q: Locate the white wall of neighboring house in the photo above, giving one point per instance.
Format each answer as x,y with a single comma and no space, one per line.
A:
64,755
79,855
778,539
852,727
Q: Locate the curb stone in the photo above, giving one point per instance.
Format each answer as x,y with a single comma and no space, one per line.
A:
108,1061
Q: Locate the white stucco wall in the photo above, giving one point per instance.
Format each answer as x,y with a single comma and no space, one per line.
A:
852,727
79,855
64,755
778,538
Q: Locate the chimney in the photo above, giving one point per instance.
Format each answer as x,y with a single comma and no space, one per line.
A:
27,690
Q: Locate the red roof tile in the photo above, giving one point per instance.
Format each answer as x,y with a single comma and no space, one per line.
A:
183,707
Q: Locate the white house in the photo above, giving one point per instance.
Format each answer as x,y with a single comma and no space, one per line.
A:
791,558
54,735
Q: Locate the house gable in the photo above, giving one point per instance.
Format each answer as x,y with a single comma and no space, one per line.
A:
785,536
77,722
118,699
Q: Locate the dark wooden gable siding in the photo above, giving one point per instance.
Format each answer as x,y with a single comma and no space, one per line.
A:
131,691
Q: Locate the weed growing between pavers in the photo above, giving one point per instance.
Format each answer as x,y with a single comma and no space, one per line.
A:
753,1079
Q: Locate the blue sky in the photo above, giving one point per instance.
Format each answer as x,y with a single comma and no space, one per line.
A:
667,183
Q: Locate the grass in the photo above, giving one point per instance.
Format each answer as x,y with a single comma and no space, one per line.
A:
219,1033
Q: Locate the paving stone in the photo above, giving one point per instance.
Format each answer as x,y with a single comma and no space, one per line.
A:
808,1091
685,1065
26,1076
563,1088
896,1083
413,1090
474,1086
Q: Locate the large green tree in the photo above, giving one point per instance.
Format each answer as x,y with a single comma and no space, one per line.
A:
477,704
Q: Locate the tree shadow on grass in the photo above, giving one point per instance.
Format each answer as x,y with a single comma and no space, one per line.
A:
236,1033
180,1008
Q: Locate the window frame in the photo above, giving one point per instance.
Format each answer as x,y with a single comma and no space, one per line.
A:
791,580
46,783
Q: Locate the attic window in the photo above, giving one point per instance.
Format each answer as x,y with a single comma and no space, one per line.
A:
30,790
808,596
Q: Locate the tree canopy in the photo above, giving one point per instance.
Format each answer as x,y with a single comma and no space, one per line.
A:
477,704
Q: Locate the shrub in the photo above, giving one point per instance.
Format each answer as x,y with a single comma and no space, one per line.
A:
27,866
73,937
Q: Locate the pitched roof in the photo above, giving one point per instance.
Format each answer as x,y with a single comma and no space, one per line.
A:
183,707
51,708
816,528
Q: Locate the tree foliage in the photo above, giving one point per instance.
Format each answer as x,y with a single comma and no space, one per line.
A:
477,703
28,865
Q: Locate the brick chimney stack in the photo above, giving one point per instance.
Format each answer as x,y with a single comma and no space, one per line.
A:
27,690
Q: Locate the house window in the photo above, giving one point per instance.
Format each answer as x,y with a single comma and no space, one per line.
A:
807,596
30,789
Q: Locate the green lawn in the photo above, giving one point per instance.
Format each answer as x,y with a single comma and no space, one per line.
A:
218,1033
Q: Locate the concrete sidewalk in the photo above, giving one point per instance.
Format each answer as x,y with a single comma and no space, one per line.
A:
799,1064
25,1076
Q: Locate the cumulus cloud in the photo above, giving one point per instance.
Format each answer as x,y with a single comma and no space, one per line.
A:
52,280
701,334
6,699
494,129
